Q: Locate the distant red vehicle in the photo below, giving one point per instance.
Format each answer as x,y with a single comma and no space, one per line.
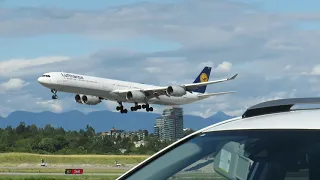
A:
74,171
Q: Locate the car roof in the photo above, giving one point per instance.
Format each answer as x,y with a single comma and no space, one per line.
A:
297,119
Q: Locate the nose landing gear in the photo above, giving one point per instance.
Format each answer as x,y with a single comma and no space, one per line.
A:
54,96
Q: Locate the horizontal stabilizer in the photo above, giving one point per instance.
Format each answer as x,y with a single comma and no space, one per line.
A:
203,96
196,85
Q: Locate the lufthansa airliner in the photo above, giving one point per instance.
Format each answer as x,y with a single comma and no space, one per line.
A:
92,90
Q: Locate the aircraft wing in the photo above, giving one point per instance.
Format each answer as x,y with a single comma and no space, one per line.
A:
149,92
154,92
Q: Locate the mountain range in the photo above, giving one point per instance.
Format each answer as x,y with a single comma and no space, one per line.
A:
103,121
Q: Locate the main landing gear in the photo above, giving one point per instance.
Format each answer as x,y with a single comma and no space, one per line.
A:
147,107
121,109
134,108
144,106
54,96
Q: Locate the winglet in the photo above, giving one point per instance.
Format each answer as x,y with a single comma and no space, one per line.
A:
233,77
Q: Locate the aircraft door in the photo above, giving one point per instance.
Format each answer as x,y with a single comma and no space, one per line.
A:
60,80
65,80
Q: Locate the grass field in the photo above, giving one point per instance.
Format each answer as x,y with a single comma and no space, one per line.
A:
83,177
29,163
59,170
19,158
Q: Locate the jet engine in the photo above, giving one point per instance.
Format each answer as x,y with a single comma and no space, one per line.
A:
78,98
136,96
87,99
175,91
91,100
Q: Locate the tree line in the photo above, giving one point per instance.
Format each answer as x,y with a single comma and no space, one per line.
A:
50,140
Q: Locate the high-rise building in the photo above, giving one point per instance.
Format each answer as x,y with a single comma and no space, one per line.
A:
170,125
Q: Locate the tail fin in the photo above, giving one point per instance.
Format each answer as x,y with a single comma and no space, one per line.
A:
203,77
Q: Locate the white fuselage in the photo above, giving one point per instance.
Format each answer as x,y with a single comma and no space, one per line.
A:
102,87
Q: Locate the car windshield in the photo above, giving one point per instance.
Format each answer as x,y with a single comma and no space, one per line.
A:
245,154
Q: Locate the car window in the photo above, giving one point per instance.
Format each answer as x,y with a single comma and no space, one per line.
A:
254,154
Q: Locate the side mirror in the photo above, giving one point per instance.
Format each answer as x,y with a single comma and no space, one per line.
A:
231,163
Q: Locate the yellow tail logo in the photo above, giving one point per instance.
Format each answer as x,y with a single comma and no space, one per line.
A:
203,77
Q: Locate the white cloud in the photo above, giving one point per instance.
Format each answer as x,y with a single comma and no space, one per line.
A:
13,84
53,105
153,69
18,67
287,67
111,105
224,66
4,110
316,70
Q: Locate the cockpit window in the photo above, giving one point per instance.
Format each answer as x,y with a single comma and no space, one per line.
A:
45,75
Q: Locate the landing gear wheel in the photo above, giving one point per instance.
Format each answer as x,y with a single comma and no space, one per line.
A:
124,111
119,108
54,97
135,107
149,109
143,106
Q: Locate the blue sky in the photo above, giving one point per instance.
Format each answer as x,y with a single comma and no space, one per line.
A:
74,4
286,5
72,44
274,49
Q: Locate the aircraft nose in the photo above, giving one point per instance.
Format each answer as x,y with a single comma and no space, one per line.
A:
41,80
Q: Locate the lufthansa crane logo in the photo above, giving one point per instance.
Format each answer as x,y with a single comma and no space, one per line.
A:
203,77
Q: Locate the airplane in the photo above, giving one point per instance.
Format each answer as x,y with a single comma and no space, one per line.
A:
92,90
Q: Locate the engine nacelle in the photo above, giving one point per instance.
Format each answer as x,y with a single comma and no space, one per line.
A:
136,96
176,91
78,98
87,99
90,100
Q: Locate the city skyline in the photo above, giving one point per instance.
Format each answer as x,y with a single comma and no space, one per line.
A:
170,125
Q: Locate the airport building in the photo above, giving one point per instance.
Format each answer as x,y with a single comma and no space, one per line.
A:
141,134
170,125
